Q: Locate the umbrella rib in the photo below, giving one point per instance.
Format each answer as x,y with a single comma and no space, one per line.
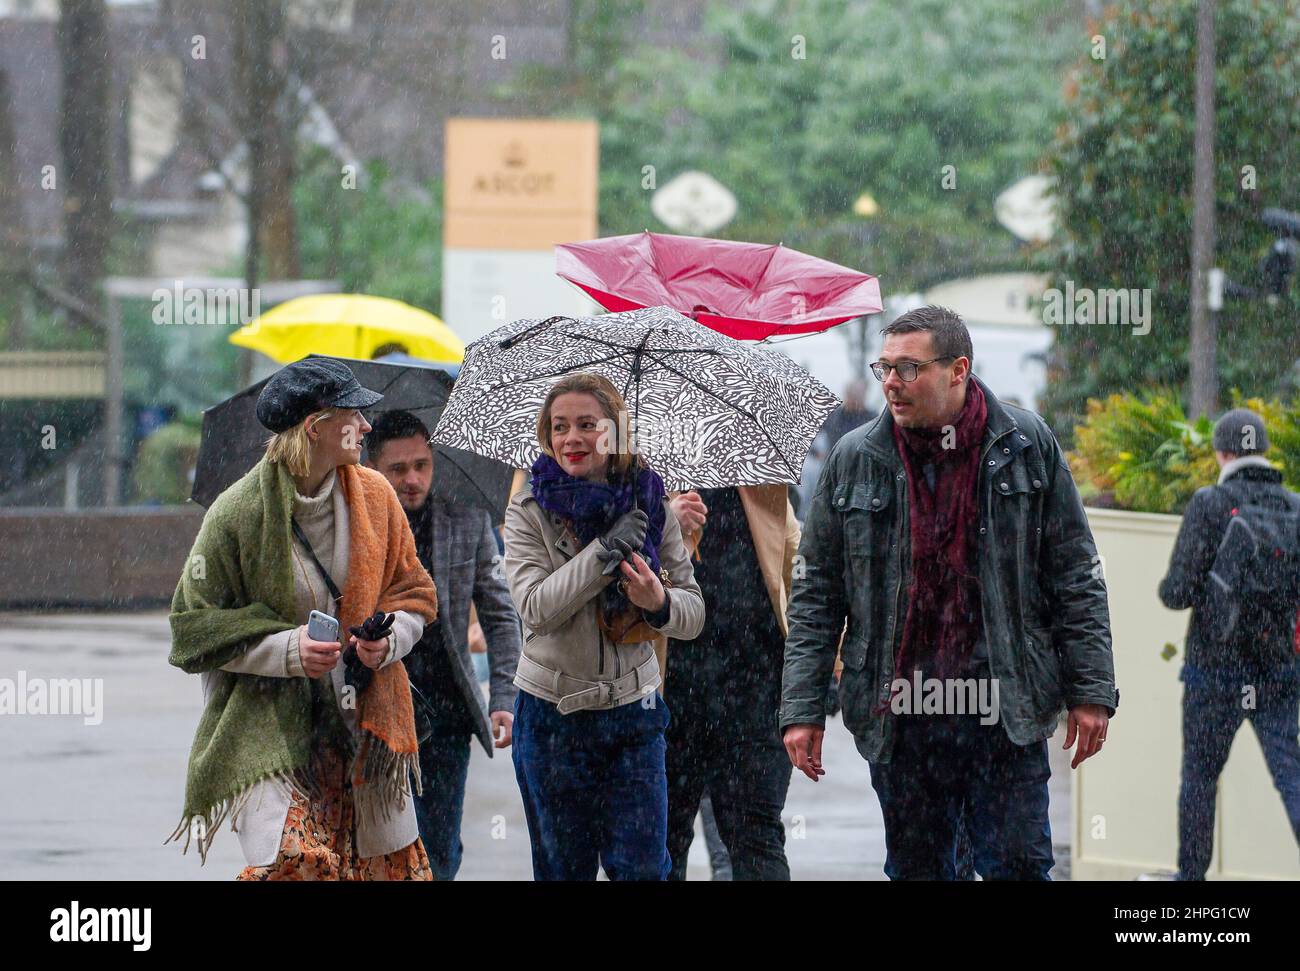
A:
553,374
601,340
660,350
690,380
443,454
523,335
628,348
623,351
395,379
737,408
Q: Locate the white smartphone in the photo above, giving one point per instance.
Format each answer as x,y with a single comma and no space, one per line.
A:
322,627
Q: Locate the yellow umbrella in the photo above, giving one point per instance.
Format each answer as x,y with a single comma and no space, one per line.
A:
348,325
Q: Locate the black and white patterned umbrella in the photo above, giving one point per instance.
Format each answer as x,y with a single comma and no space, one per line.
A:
704,410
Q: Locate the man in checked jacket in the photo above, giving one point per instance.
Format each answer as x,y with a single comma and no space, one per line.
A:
456,545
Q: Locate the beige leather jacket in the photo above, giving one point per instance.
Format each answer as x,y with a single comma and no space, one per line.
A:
567,659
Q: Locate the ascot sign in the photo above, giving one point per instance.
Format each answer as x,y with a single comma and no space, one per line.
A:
514,188
514,177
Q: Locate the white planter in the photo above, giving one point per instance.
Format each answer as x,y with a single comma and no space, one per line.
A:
1125,801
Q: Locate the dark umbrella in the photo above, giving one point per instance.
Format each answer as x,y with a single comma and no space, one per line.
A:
233,440
748,291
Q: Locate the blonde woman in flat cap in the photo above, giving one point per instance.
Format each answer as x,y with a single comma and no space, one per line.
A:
308,746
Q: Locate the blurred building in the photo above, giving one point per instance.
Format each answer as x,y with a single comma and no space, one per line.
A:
374,79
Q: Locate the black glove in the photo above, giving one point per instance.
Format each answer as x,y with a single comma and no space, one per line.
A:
373,628
625,537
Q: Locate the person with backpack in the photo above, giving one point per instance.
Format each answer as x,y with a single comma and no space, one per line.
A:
1236,564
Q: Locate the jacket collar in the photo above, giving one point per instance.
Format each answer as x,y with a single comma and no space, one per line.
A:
1244,463
879,437
564,541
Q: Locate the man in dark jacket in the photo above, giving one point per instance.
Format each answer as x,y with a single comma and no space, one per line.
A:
724,686
456,545
1233,671
949,535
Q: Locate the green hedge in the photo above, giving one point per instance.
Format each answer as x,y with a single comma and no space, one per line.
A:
1145,455
165,465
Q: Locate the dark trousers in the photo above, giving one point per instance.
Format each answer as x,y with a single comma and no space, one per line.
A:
444,764
593,789
747,780
946,768
1213,710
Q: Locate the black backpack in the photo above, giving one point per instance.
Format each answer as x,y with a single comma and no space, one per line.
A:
1253,591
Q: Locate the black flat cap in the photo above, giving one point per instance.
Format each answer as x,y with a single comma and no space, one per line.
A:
307,386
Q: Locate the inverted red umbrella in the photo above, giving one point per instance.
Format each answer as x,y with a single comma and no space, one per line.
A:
744,290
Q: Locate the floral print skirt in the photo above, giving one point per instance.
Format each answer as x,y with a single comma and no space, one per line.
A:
319,841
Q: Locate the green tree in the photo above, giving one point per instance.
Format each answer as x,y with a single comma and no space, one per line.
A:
377,237
1123,163
799,108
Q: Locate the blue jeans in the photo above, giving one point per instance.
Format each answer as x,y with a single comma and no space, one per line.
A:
1213,709
950,769
444,764
594,789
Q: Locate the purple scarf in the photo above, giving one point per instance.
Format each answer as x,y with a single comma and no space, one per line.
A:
593,507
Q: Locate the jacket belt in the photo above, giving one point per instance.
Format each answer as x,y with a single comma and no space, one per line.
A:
575,694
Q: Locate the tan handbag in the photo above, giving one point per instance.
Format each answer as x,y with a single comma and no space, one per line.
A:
628,625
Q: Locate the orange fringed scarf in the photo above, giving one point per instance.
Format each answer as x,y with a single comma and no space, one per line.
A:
385,574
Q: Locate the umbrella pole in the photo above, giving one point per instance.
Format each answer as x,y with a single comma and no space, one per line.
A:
636,417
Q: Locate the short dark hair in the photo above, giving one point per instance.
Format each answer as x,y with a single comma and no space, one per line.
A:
947,330
390,425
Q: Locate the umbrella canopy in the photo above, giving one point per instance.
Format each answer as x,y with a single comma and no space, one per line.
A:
233,440
347,325
705,410
744,290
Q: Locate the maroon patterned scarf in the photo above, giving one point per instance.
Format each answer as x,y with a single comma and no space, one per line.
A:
943,597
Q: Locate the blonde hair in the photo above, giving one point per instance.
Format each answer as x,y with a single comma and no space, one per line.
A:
611,403
293,447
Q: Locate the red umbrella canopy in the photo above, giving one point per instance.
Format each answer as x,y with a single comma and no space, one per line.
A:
744,290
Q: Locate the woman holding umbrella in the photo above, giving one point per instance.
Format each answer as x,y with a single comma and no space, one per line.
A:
310,758
597,569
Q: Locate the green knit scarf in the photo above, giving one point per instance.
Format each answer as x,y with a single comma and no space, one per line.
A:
237,587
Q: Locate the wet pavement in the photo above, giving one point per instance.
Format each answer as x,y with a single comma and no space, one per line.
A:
95,801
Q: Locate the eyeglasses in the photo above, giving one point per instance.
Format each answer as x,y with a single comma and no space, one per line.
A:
906,370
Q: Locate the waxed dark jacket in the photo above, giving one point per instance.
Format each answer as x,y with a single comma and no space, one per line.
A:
1043,593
